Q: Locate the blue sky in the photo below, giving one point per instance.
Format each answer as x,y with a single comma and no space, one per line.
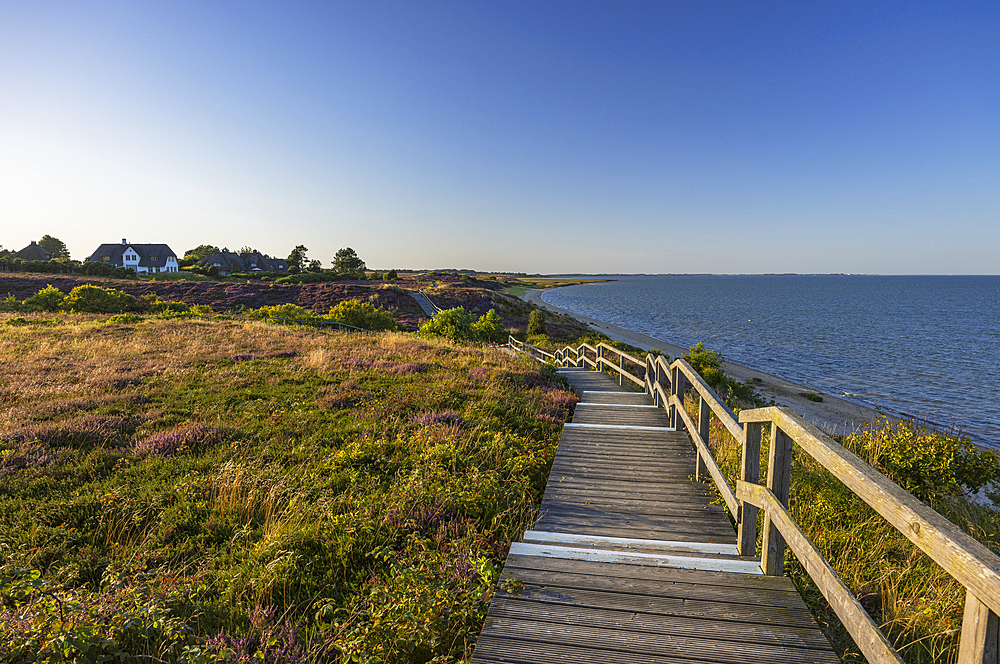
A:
726,137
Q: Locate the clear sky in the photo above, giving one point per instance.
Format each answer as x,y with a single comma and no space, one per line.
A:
529,136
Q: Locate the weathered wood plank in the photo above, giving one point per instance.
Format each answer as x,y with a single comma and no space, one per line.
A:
642,644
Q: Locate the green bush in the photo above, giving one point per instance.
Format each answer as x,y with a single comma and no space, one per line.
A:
10,304
125,319
454,324
49,298
458,325
708,364
281,311
96,300
363,315
489,328
928,464
536,323
154,304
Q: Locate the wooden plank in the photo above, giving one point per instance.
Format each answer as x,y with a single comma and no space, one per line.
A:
741,592
714,564
625,542
654,623
615,427
638,573
980,643
641,644
779,475
746,516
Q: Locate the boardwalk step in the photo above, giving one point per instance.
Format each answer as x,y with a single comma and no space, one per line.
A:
623,427
616,405
625,543
636,558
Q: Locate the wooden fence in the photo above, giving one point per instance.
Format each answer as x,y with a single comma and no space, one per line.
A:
966,560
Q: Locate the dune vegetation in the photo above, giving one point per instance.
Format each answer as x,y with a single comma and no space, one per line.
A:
209,489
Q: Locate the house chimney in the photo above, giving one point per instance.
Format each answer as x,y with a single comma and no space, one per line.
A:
123,241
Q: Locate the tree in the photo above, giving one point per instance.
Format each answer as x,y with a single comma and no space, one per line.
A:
347,262
536,323
315,266
198,254
297,259
54,246
247,250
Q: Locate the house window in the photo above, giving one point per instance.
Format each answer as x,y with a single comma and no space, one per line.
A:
152,258
106,259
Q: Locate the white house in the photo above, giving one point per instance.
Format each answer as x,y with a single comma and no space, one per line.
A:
143,258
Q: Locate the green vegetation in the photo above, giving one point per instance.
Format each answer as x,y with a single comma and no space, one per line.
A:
96,300
346,261
708,364
54,246
457,324
812,396
196,490
536,323
351,312
363,315
199,253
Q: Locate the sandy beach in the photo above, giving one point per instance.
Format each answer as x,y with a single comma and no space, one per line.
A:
834,415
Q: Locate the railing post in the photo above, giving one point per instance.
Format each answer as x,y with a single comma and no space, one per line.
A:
677,387
779,475
657,380
704,413
749,472
980,633
600,358
672,392
621,365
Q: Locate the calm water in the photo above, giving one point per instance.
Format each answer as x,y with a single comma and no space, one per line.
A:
917,345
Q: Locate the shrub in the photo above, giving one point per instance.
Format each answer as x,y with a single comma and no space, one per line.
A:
536,323
125,319
10,304
363,315
708,364
489,328
454,324
281,311
457,325
96,300
49,298
157,305
928,464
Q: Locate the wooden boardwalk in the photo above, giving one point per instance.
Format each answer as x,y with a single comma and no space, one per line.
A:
630,562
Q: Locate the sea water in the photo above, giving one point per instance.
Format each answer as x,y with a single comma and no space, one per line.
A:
922,346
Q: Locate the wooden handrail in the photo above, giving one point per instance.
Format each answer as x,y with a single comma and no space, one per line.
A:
864,631
713,468
715,402
966,560
969,562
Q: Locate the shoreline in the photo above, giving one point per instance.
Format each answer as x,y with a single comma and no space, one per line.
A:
833,415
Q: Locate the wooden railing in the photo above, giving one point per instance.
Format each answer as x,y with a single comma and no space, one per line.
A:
316,322
966,560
